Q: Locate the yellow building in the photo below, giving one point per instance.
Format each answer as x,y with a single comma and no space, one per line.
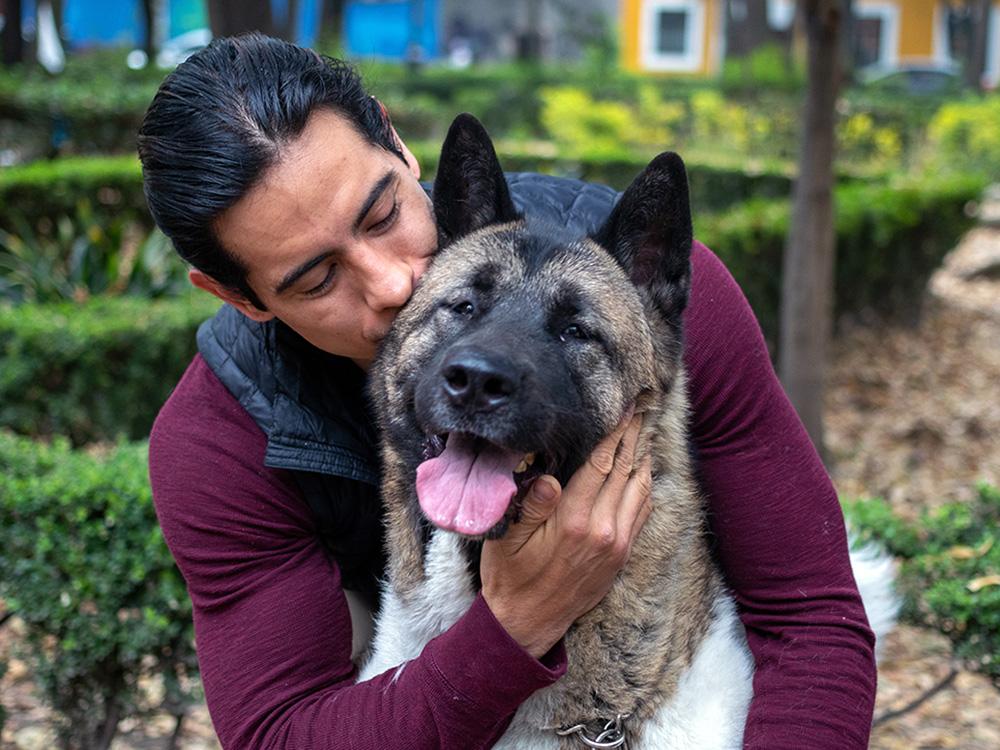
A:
673,36
688,36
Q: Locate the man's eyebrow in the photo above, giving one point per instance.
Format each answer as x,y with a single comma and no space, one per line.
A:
376,192
373,195
294,275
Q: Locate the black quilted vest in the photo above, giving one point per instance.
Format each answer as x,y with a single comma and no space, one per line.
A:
313,408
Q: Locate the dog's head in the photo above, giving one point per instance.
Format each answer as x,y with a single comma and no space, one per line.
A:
524,344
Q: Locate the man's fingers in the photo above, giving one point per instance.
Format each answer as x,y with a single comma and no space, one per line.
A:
610,498
590,477
538,504
637,505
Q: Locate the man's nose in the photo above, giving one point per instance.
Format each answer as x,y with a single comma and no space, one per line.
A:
388,281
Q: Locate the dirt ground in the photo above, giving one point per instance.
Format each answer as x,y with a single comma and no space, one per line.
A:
912,414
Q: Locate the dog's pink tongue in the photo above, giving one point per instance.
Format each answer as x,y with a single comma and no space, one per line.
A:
464,490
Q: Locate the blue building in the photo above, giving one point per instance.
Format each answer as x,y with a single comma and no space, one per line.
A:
392,29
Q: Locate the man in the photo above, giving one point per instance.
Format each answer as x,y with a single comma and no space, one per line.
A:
286,188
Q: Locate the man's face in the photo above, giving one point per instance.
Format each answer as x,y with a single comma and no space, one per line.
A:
335,236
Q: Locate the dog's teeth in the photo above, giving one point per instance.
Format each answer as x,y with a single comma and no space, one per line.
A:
527,461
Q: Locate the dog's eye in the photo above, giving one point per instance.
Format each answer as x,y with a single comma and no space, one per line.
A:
573,332
464,308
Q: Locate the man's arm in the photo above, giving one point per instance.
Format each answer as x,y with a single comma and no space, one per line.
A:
779,531
271,621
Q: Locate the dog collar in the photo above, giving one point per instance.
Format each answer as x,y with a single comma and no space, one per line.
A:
612,736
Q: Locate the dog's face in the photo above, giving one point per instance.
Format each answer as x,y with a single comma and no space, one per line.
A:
524,345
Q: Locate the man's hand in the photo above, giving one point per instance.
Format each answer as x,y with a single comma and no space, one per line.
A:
560,560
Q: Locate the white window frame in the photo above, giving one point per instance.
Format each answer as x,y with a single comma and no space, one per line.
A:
692,58
889,39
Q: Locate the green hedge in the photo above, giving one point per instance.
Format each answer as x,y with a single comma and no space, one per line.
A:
112,186
890,238
102,369
84,567
950,575
47,189
95,371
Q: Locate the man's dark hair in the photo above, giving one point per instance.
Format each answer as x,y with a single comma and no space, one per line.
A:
219,121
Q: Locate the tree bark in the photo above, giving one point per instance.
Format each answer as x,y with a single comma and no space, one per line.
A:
231,17
148,26
529,39
286,30
332,18
807,282
13,42
979,13
847,52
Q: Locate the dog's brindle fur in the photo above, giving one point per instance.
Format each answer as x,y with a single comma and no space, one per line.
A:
625,290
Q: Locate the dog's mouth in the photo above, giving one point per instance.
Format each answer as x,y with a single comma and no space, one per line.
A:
468,485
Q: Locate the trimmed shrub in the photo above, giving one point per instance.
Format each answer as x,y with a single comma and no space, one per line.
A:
96,371
84,566
109,189
950,574
889,240
102,369
111,185
965,136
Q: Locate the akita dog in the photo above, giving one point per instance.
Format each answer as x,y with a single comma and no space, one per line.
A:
519,350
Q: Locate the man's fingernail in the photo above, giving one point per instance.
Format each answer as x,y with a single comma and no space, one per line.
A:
544,490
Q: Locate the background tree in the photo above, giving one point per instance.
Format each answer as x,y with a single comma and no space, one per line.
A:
148,27
747,27
807,284
12,40
332,19
979,14
230,17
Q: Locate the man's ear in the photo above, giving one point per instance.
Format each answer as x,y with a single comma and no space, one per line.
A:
470,191
234,298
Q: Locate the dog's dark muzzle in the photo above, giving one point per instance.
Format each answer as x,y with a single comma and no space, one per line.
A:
474,380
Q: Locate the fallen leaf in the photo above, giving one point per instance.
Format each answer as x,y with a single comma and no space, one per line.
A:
980,583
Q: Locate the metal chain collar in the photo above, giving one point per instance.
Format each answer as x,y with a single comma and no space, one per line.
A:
612,736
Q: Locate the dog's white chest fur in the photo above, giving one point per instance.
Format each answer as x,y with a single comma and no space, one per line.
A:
707,711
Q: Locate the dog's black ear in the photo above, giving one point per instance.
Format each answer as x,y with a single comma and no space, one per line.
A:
649,233
470,191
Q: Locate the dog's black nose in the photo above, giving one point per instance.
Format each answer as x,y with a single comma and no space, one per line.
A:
477,380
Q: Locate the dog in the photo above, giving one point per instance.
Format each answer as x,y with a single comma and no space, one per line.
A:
519,350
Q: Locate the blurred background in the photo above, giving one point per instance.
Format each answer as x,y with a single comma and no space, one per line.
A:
875,276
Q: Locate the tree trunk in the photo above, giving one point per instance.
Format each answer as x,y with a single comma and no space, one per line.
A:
231,17
286,30
529,39
758,30
13,42
148,26
979,14
847,52
807,283
332,19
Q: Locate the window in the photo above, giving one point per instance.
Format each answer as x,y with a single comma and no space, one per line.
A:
867,41
876,34
672,35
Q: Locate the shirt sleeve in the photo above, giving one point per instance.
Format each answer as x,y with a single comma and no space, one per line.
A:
272,625
778,531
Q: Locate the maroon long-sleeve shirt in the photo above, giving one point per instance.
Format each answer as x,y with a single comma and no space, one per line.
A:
273,629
